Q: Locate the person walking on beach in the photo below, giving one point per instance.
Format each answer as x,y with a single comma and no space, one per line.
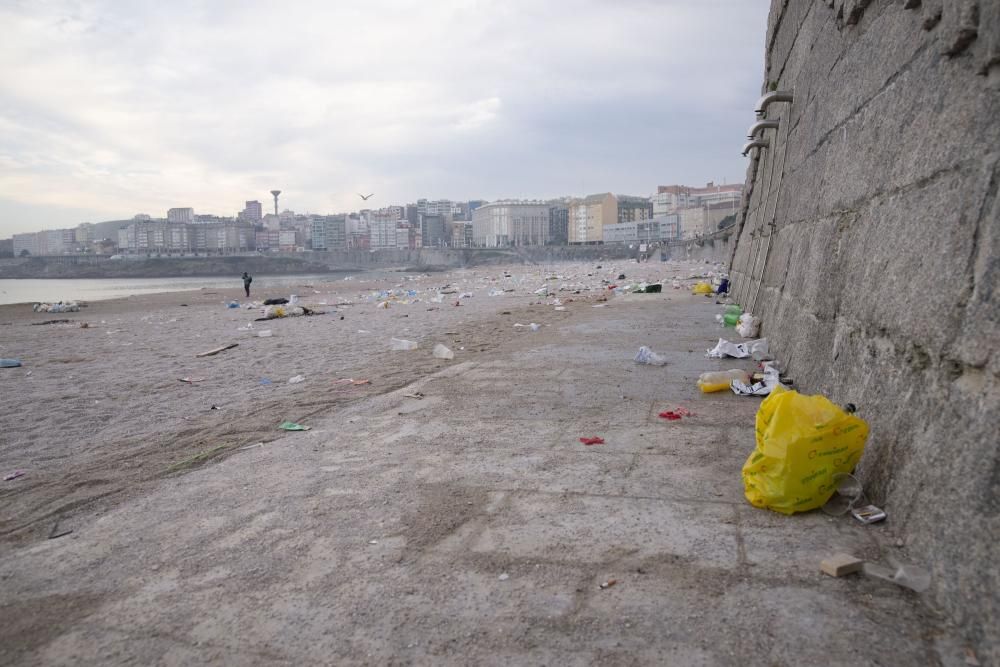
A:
247,279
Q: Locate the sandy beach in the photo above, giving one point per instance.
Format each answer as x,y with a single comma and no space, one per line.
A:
97,415
444,512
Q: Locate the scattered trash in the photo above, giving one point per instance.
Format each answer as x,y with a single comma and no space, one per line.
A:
723,286
592,441
868,514
849,496
970,657
295,379
265,333
442,352
748,326
58,307
351,381
217,350
56,533
402,344
840,564
650,358
732,316
609,583
38,324
907,576
233,304
802,442
702,288
265,381
755,348
621,276
721,380
417,395
14,475
676,413
275,302
84,325
215,407
10,363
372,541
191,380
504,577
246,447
770,379
534,327
292,426
652,289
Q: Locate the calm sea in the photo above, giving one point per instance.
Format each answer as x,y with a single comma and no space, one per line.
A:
95,289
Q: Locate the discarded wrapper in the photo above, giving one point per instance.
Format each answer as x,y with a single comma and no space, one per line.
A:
292,426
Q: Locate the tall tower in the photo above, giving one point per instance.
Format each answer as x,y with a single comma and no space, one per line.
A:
276,193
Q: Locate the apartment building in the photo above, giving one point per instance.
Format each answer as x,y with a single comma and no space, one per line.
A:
180,215
382,234
252,212
588,216
663,228
558,224
434,231
170,238
634,209
510,222
26,244
329,232
461,234
673,198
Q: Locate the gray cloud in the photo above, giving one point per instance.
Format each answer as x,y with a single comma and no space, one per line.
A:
111,108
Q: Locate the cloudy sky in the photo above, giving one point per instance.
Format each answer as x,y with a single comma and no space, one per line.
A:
114,107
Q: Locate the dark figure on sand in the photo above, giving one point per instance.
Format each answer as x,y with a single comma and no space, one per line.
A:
247,279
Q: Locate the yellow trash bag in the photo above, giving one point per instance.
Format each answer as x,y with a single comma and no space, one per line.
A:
702,288
802,441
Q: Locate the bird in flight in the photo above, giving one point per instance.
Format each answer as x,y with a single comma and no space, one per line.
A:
366,198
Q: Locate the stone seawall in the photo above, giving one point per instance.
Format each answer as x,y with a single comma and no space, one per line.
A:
869,246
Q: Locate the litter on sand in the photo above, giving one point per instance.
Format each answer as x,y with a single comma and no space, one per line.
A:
351,381
14,475
756,348
609,583
592,441
217,350
417,395
10,363
295,379
650,358
676,413
292,426
191,380
442,352
402,344
771,379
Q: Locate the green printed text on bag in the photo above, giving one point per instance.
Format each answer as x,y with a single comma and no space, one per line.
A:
801,442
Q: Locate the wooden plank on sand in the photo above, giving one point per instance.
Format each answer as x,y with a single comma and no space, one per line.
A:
217,350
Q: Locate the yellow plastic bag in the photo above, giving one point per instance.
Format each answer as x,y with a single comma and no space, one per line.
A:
801,442
702,288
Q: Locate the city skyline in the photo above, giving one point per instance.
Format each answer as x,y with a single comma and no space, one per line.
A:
110,109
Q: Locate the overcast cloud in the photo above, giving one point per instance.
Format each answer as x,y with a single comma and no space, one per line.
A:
111,107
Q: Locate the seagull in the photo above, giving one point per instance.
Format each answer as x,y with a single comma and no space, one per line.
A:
366,198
